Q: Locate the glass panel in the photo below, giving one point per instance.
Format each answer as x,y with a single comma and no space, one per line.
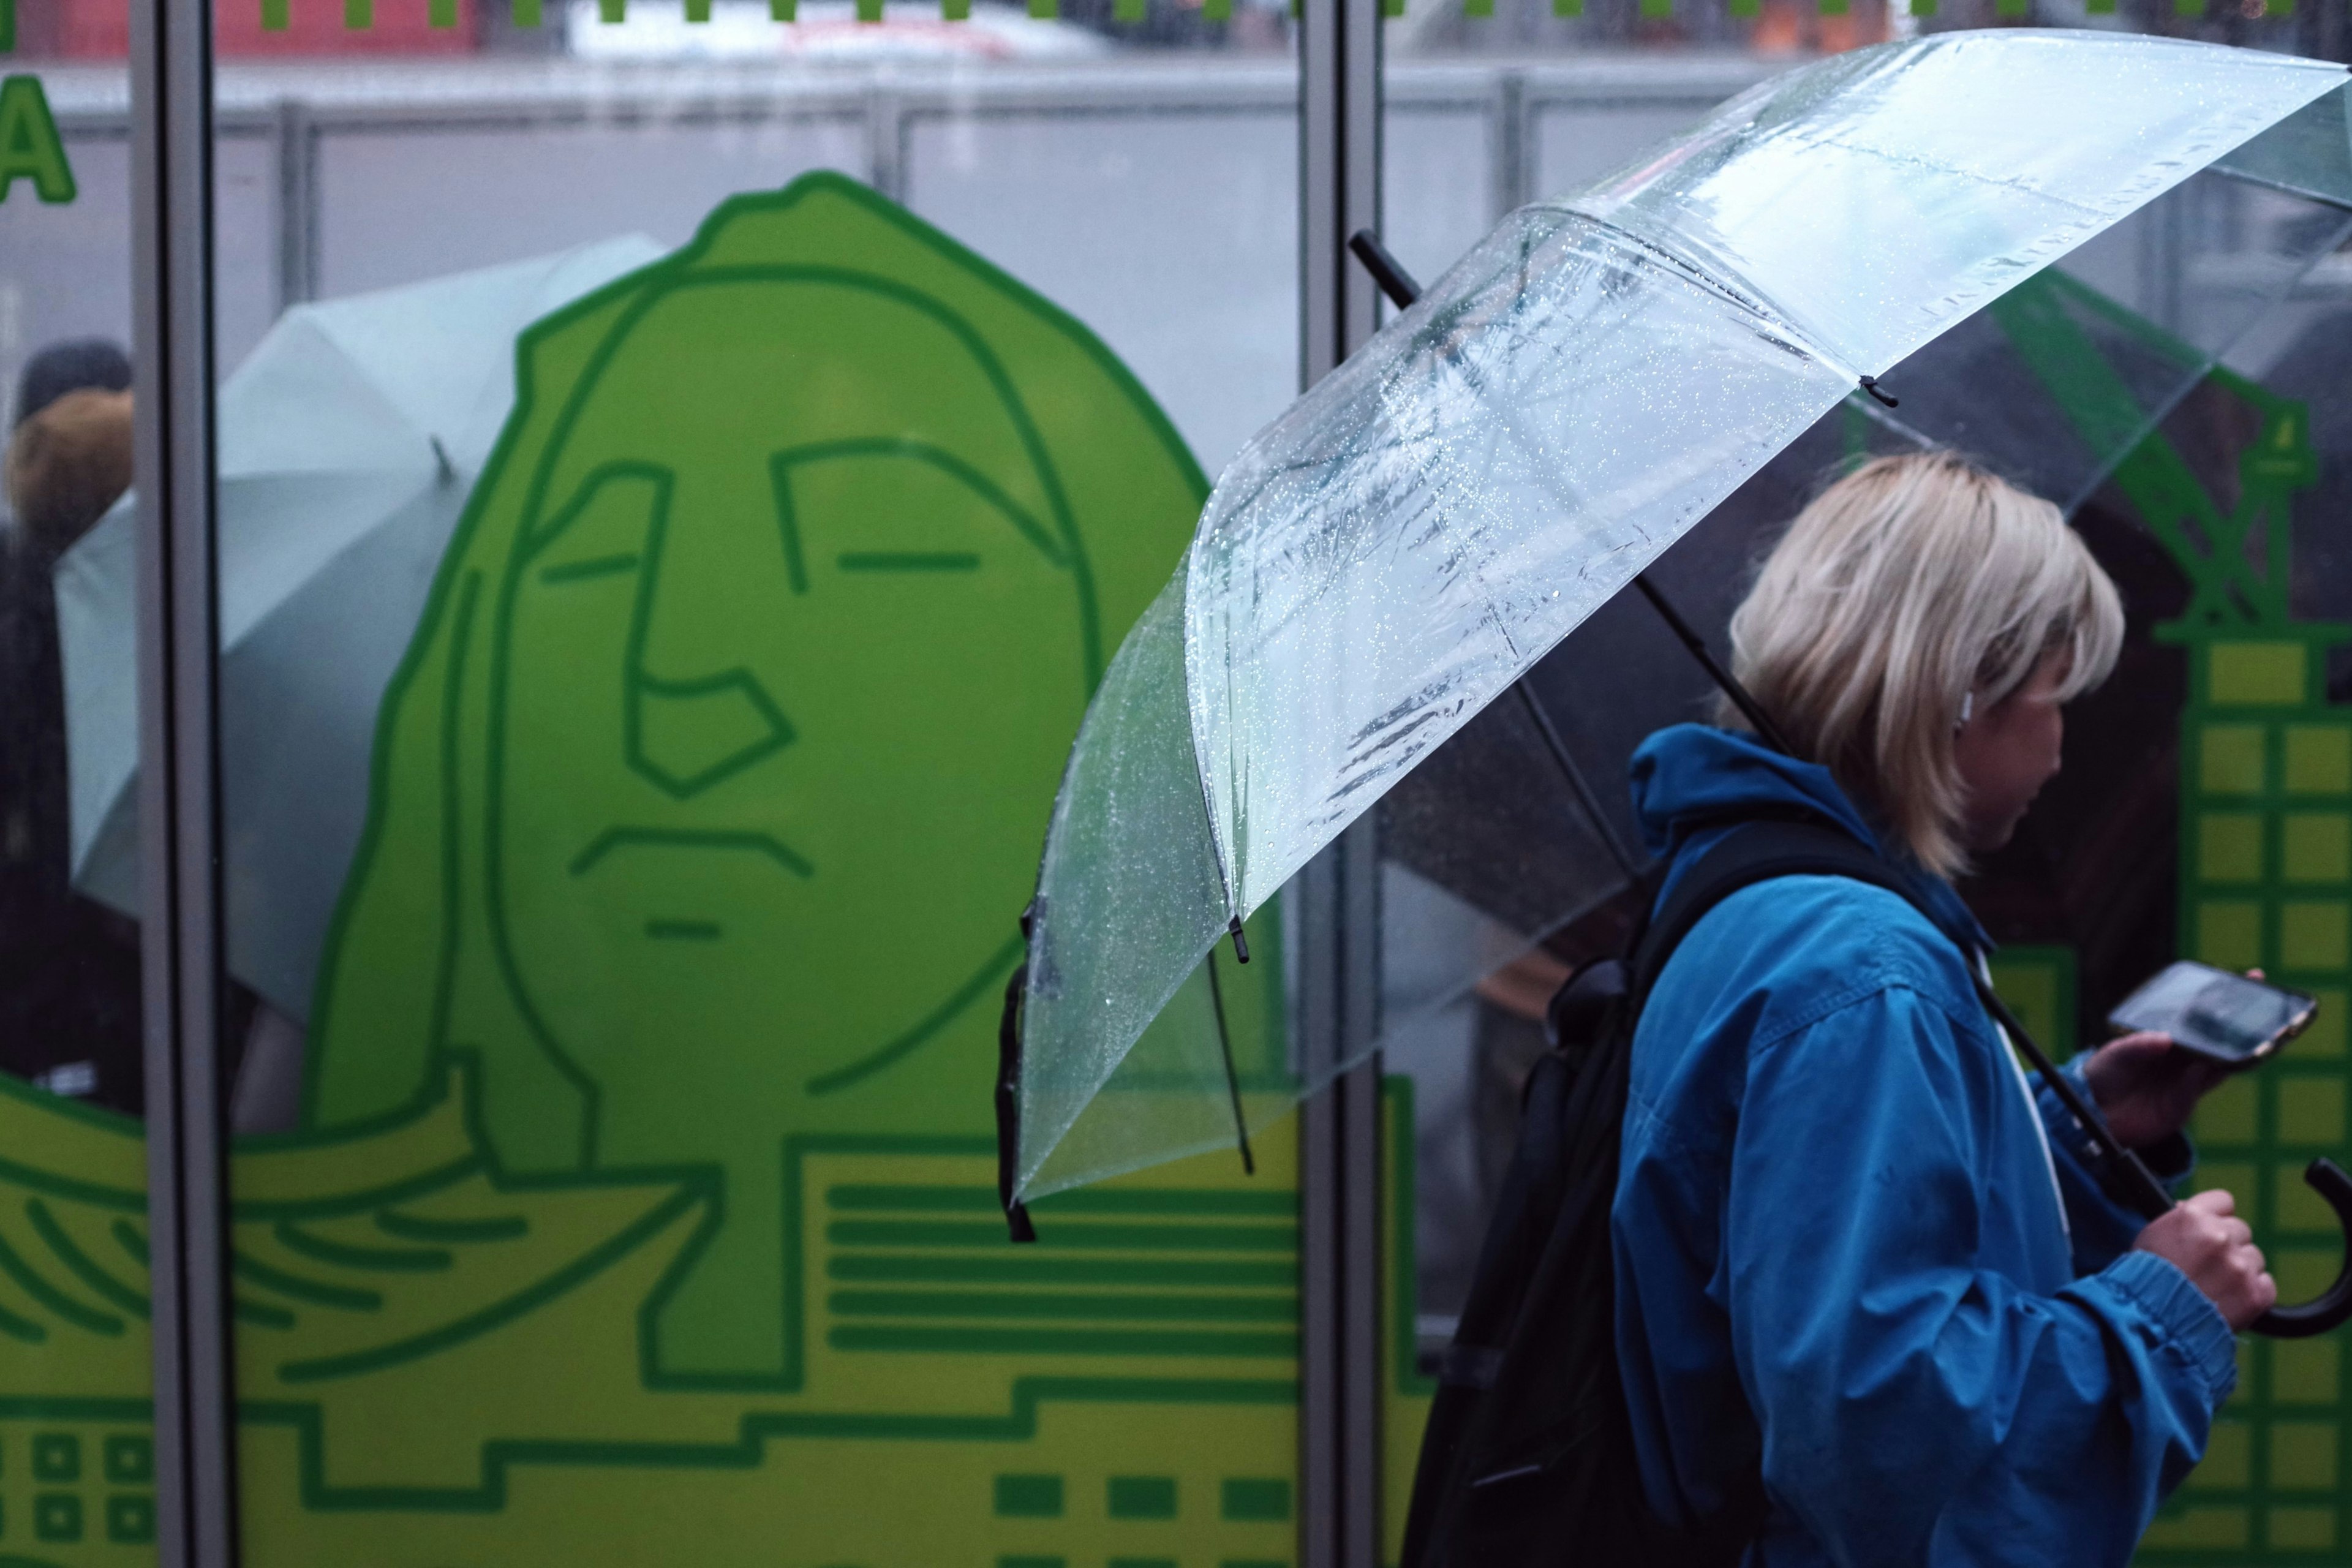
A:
682,479
69,876
2137,386
76,1463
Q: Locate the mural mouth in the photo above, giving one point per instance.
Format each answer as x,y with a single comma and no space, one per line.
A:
734,841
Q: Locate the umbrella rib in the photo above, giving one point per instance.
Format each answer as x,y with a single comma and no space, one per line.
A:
1225,1049
1577,781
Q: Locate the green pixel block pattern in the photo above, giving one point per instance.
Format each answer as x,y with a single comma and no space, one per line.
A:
2258,674
2229,932
1028,1496
2311,1110
2324,1036
130,1520
2230,847
2318,759
2195,1527
2230,1115
1257,1499
2312,934
57,1457
2296,1207
129,1458
57,1517
2302,1456
2315,847
1141,1497
2230,759
2228,1456
2305,1372
2302,1529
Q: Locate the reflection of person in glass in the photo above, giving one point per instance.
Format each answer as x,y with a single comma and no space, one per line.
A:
760,648
68,968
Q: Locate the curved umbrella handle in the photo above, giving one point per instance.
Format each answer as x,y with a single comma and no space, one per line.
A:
2327,1178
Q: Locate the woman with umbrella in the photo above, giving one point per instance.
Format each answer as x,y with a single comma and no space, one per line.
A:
1854,1245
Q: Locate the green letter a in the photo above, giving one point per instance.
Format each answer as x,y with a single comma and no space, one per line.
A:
29,146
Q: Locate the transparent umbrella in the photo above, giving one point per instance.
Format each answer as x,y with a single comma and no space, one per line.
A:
1427,523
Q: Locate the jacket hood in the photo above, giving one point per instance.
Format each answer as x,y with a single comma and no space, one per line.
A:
1690,777
1691,780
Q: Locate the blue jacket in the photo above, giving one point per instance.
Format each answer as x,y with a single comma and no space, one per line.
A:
1850,1235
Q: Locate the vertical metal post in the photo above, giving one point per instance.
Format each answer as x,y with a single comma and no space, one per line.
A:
1339,1263
297,144
1512,141
179,817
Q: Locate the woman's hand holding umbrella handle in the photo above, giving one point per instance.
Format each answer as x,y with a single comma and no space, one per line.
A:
2204,1238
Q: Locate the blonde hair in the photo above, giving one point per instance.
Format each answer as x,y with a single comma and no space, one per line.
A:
1910,589
68,463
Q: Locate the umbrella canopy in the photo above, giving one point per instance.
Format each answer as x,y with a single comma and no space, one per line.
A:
349,440
1582,388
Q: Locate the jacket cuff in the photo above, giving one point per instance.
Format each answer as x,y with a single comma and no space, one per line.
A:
2182,1314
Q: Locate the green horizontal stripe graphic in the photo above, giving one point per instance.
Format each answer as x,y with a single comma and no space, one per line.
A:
261,1314
342,1254
317,1292
868,1197
1034,1304
1091,1237
1027,1268
1059,1341
87,1268
458,1232
72,1309
908,561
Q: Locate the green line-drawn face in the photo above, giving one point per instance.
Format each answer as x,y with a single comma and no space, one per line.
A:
718,771
786,644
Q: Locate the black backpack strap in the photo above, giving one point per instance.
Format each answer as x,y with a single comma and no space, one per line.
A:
1527,1445
1761,850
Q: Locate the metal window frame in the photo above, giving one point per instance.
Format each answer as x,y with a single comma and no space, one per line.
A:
179,814
1338,894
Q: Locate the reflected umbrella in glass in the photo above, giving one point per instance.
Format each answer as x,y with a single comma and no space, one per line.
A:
349,440
1426,524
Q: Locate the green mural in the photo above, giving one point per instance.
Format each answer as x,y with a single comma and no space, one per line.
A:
644,1208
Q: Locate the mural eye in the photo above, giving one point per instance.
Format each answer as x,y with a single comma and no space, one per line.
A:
895,509
602,535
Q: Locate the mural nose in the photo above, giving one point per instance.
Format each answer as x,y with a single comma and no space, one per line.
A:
689,735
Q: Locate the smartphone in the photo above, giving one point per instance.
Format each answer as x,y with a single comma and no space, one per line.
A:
2216,1013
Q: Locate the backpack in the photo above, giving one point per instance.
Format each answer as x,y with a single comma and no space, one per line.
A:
1529,1454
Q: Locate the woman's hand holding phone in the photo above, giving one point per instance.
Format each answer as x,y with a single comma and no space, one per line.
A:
2146,1085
